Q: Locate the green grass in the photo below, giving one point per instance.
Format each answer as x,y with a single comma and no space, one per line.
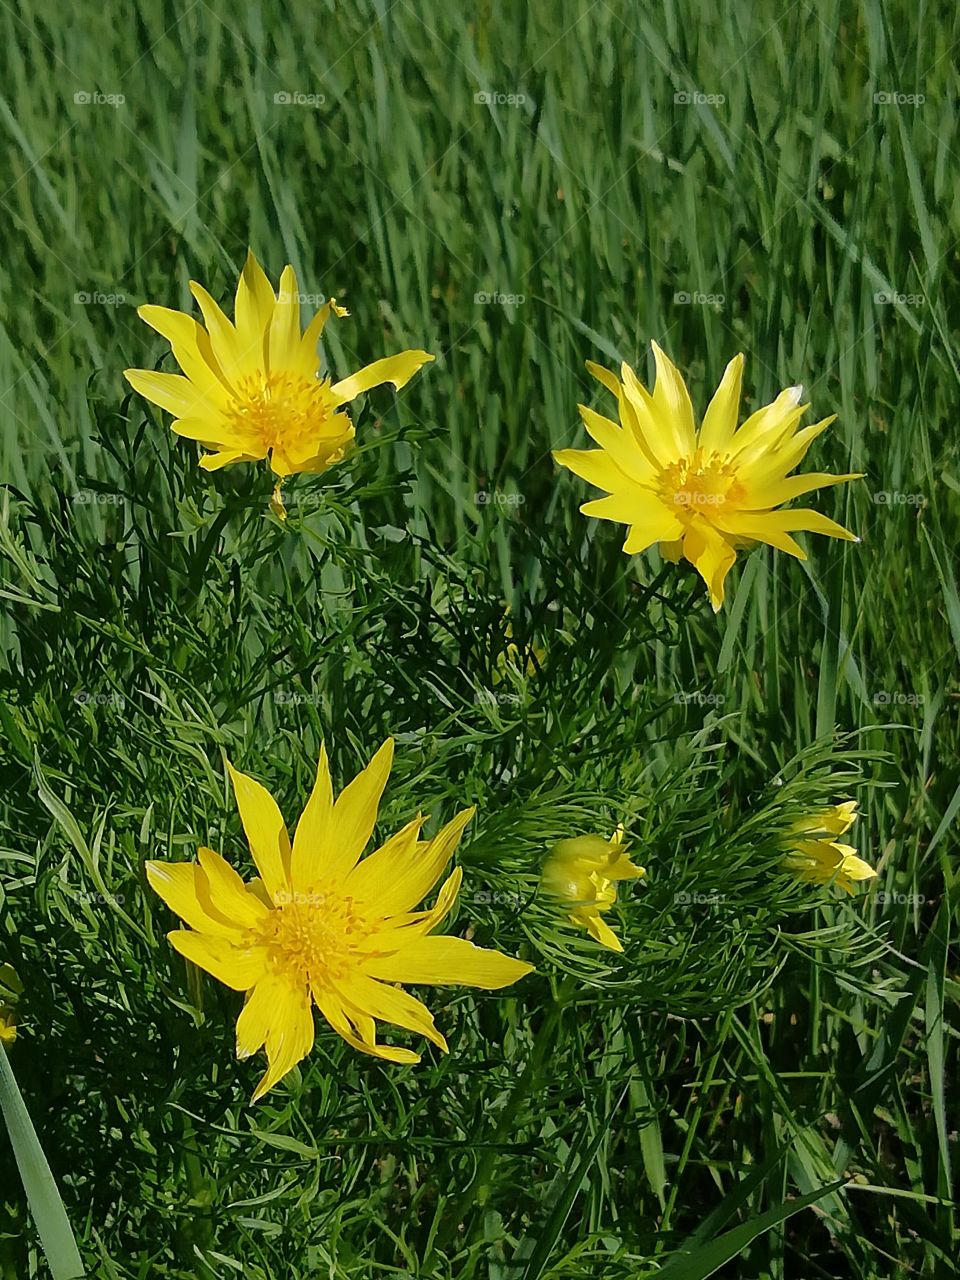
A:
665,1112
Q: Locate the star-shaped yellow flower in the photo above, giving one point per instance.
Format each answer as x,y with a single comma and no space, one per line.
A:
321,926
251,387
701,495
817,857
583,873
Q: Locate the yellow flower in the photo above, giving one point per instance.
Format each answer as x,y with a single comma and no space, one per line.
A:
322,927
582,873
8,1026
816,857
251,388
700,495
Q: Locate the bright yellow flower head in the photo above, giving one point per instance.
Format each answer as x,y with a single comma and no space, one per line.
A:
582,873
251,388
701,495
8,1026
321,926
816,857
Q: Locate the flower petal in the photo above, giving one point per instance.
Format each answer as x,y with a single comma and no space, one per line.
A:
191,349
283,337
441,961
671,404
761,498
313,835
184,888
228,892
711,555
173,392
355,812
253,307
398,369
385,880
265,830
332,1009
236,967
289,1035
720,419
389,1004
621,444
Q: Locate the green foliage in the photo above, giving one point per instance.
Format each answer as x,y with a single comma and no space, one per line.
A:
760,1041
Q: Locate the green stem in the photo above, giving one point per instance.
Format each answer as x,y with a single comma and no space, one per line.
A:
53,1227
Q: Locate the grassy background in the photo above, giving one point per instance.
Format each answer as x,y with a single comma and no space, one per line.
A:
608,1117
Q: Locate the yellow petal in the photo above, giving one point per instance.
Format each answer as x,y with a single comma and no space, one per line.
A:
312,838
332,1009
394,880
398,369
235,361
283,338
390,880
654,524
601,932
774,526
763,497
253,307
308,358
228,892
191,349
184,888
398,930
390,1004
605,376
711,555
265,831
768,425
236,967
720,420
444,961
595,466
256,1017
289,1038
173,392
622,445
215,461
355,812
671,404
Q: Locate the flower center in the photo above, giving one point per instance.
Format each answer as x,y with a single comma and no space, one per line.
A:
315,935
282,410
702,483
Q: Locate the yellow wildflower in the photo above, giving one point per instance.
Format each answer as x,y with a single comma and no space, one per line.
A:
321,926
583,873
251,388
701,495
816,857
